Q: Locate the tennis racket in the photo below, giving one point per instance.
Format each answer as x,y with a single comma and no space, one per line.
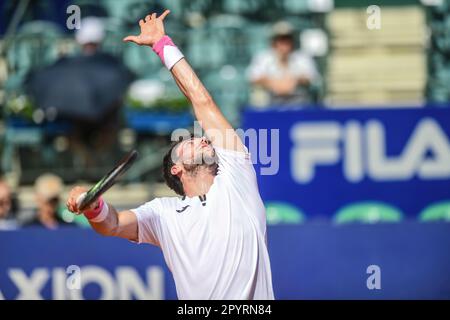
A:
107,181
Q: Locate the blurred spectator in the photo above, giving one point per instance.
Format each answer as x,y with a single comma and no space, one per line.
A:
7,212
91,35
48,189
282,72
88,91
101,135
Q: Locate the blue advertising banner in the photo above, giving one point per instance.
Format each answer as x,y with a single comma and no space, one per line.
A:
38,264
311,261
322,160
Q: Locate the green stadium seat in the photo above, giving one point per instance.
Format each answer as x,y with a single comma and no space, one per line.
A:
226,31
301,23
69,217
283,213
141,60
92,8
15,138
259,36
220,41
243,7
441,8
368,212
115,8
138,9
204,7
439,211
41,27
205,52
229,89
114,33
176,8
438,68
34,46
296,6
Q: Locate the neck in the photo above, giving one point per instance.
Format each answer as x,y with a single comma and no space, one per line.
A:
284,59
198,183
48,221
89,49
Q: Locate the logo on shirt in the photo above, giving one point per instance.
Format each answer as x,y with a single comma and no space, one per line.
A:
203,199
183,209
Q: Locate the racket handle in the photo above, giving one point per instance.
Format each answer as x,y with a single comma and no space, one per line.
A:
80,199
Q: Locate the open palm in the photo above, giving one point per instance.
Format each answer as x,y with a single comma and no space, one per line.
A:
152,30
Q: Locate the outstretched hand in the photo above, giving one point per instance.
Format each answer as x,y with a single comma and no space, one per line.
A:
152,30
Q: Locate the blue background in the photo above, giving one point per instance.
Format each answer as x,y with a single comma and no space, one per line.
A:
311,261
329,190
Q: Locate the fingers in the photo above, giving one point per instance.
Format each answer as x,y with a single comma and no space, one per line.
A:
142,22
74,198
80,198
134,39
72,205
153,17
164,14
71,202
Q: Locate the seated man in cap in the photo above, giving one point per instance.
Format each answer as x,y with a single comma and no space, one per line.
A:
7,211
48,189
283,73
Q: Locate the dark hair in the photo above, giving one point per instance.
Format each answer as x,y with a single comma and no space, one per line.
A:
171,180
289,37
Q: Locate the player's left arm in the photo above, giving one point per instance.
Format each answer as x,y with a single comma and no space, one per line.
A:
212,120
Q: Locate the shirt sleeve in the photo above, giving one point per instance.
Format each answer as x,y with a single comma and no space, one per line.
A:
258,67
305,66
149,222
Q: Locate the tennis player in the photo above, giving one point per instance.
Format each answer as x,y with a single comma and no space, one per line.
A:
213,236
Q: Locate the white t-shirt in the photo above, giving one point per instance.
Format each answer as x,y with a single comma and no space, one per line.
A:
266,64
215,247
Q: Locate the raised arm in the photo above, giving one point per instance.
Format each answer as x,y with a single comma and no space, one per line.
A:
212,120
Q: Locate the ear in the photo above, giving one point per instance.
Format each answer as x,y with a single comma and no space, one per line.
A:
175,170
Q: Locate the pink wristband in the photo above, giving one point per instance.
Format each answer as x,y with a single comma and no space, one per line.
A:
167,51
93,213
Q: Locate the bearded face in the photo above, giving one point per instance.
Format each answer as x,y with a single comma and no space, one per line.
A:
196,153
